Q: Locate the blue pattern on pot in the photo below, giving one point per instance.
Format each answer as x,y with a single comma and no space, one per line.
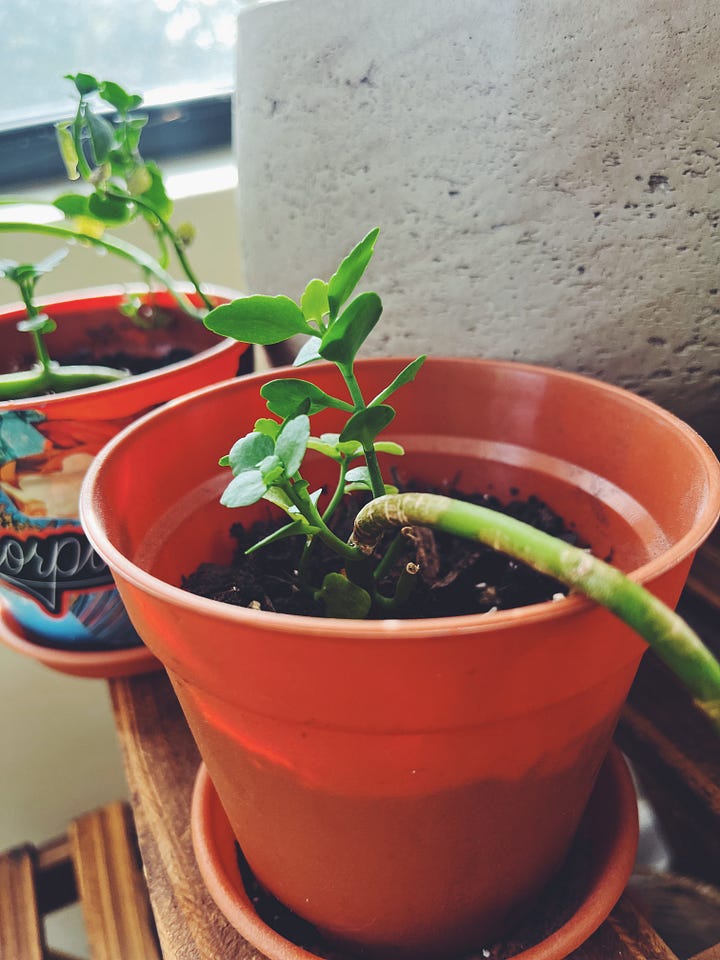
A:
54,585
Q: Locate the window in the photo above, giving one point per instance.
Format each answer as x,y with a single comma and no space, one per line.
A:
178,53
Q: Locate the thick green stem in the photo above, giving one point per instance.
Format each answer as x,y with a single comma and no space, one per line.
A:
670,637
55,379
311,513
115,246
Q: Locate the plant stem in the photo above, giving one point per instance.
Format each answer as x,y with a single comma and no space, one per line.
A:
377,483
55,379
669,636
172,237
403,590
118,247
311,513
41,353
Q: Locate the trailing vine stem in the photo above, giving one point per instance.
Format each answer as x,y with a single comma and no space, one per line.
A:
664,631
120,248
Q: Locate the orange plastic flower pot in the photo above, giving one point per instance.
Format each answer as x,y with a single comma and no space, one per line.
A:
54,590
408,786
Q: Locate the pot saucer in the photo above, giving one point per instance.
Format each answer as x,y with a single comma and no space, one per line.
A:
100,664
579,900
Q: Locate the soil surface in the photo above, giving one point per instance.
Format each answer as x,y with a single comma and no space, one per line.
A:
133,363
458,577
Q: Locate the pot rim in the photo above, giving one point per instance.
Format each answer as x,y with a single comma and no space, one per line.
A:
91,514
87,295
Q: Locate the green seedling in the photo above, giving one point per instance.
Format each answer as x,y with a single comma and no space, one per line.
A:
100,147
45,375
267,464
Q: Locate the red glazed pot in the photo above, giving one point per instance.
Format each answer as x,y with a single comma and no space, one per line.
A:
408,786
54,590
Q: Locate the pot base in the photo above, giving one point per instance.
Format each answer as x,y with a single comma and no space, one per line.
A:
594,876
100,664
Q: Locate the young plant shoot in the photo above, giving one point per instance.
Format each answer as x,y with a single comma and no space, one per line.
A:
100,145
45,376
267,464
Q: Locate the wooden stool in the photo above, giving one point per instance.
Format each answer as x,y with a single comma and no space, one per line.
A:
97,863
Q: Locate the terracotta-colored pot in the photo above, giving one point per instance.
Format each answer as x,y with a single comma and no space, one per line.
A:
408,786
54,590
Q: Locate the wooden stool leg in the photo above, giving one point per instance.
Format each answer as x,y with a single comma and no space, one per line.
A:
21,930
112,889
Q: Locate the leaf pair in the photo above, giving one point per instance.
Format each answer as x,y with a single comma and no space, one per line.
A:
266,320
260,460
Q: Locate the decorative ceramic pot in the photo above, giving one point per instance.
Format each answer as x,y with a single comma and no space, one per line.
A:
407,786
54,589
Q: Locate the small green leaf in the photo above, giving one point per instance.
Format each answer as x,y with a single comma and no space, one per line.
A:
292,442
285,396
278,497
248,451
156,194
307,352
299,527
272,469
271,428
245,489
259,319
51,261
347,275
388,446
72,204
365,425
326,449
85,83
42,323
22,273
343,598
345,337
102,136
224,461
114,94
110,209
314,301
359,475
8,268
405,376
133,128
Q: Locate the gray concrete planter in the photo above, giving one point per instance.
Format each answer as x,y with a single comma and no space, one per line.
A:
545,176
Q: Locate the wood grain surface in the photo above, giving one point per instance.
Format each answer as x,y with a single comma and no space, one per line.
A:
161,761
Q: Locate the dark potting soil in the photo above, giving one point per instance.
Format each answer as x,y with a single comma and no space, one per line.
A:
458,577
133,363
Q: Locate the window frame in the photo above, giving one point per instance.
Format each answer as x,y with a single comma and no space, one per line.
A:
29,154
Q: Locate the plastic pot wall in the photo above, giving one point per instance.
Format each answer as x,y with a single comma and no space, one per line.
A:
56,590
408,786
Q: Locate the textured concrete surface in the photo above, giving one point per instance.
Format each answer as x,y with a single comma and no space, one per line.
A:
545,177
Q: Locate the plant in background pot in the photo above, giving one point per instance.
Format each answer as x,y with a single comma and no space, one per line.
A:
406,784
78,367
